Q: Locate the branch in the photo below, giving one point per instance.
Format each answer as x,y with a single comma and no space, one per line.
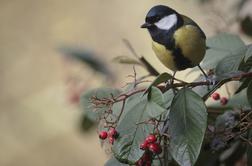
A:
236,77
119,116
145,63
149,67
122,98
246,140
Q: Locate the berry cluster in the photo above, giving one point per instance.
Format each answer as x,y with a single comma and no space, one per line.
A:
223,100
151,147
112,134
145,160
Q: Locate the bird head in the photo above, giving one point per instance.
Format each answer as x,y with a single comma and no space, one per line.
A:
161,17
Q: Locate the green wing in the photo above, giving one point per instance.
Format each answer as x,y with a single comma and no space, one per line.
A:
188,21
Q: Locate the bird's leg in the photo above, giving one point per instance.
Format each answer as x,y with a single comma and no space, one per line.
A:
169,84
212,81
173,77
203,72
172,81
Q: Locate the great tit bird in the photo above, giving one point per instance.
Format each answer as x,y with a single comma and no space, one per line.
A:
178,42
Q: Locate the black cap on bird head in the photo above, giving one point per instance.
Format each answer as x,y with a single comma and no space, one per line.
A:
161,17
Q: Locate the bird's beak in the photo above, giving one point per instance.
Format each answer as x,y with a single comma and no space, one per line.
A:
146,25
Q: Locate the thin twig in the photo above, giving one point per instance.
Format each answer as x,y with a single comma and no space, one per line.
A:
246,116
237,77
130,47
246,140
160,160
149,67
119,116
165,151
135,75
192,84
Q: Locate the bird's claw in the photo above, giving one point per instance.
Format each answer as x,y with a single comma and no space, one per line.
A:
212,80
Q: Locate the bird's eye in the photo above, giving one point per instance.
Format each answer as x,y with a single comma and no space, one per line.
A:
157,17
153,19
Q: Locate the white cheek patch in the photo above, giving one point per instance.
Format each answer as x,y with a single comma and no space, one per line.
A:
167,22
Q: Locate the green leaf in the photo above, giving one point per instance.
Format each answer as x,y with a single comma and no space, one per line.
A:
155,103
156,96
249,149
114,162
89,58
225,42
132,132
239,100
130,103
246,63
90,111
86,123
231,63
156,107
188,122
160,79
158,102
126,60
249,93
246,66
220,46
168,96
244,85
156,163
248,52
154,110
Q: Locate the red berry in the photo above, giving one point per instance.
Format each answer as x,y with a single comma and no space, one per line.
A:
151,139
145,160
148,163
112,133
155,148
144,145
140,162
111,140
147,157
216,96
103,135
223,101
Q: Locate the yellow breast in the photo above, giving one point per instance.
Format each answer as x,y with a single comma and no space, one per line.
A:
189,40
164,55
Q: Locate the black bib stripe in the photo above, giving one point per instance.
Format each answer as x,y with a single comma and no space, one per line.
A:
180,60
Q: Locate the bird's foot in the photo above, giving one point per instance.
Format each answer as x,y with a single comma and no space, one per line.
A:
212,80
